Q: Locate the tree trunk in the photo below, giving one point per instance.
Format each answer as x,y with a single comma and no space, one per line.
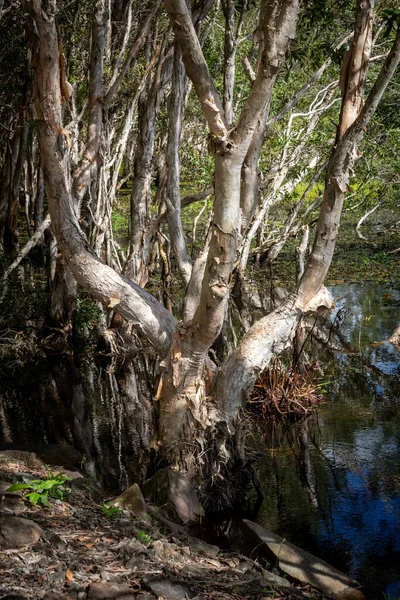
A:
187,374
137,264
92,155
273,333
10,185
172,166
113,290
183,387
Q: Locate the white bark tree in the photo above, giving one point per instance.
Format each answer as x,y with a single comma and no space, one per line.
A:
191,395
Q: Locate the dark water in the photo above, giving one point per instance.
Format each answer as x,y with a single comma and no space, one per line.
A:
333,484
76,413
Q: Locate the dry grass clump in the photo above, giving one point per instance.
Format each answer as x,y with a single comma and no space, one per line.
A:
282,393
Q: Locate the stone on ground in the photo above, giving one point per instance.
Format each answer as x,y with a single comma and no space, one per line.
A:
16,532
110,591
169,590
174,490
305,567
10,501
133,501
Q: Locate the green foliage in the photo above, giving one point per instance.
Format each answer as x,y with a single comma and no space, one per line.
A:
87,318
38,491
143,537
120,215
21,301
110,511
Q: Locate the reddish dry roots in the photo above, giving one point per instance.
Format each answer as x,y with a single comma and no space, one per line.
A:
281,393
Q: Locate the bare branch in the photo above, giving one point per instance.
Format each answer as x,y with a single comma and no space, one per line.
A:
31,243
120,72
196,66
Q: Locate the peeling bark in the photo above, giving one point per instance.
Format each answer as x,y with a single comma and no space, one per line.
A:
187,375
345,152
273,333
229,150
196,67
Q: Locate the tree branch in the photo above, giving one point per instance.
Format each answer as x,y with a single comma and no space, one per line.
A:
148,315
196,66
120,72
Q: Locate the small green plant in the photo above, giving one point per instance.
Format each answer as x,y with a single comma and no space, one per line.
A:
38,491
110,511
143,537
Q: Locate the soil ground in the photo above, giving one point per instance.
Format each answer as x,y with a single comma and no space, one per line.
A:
83,554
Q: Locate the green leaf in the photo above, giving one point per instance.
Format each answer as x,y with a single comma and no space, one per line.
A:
47,485
19,486
34,483
33,498
45,500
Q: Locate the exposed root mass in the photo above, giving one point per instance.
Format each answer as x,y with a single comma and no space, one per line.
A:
281,394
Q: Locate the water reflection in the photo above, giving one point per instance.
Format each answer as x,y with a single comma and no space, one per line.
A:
332,484
81,412
338,494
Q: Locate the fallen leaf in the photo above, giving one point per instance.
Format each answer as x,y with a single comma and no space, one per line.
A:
69,575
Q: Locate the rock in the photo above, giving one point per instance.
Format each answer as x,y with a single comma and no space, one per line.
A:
61,456
166,552
109,591
137,563
168,589
10,501
175,490
199,547
55,541
73,475
133,501
4,485
303,566
20,457
16,532
128,548
184,498
275,580
55,596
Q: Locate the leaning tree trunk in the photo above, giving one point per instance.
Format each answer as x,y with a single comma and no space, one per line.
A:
150,318
275,332
63,288
186,377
